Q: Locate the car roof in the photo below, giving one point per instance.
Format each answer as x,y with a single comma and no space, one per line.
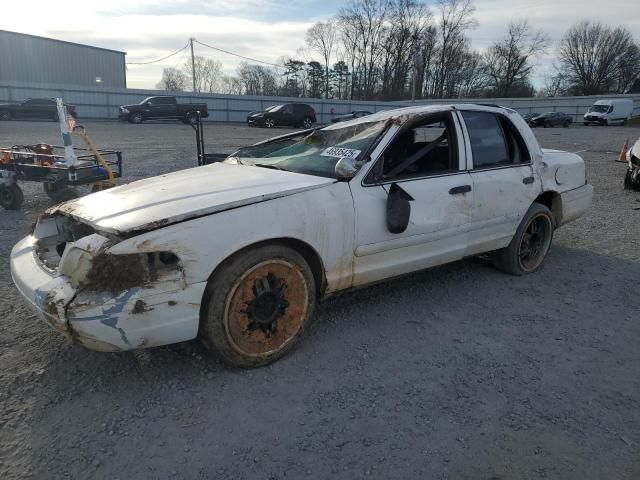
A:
407,113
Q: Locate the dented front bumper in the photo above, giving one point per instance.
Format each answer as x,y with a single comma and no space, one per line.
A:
157,313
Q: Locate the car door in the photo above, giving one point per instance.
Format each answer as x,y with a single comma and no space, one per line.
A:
503,177
163,107
284,116
32,108
441,196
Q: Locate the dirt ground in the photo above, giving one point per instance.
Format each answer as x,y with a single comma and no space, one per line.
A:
459,372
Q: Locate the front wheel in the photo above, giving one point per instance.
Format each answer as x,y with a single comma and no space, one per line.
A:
5,115
269,123
136,118
529,247
547,124
566,124
258,305
307,123
11,197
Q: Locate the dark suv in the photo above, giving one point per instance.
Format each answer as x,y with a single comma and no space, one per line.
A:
289,114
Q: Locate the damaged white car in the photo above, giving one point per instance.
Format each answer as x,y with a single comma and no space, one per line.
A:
238,253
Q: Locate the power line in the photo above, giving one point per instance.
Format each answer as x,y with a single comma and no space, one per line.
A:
160,59
237,54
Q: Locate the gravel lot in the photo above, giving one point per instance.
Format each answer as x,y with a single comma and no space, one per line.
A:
456,372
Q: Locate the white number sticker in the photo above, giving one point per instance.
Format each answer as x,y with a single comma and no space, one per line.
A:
340,152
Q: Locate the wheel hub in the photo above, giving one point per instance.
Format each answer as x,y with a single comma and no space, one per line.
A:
268,304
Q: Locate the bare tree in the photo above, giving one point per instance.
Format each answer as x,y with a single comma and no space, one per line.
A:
456,18
321,38
207,71
172,80
362,24
598,58
508,62
257,79
230,85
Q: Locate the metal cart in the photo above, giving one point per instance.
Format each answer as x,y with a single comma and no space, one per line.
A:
46,164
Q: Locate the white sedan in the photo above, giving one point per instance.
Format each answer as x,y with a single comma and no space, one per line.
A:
238,253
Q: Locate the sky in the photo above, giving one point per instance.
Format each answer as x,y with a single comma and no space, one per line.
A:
265,29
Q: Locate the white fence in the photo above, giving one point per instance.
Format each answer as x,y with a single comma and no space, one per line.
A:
103,103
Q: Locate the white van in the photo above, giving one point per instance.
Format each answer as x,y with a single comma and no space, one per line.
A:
605,112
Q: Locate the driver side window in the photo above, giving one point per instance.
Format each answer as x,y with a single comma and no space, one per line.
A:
424,149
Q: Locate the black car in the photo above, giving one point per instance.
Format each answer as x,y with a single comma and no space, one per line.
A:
551,119
288,114
34,108
350,116
162,107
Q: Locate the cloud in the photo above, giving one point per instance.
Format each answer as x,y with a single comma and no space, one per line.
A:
265,29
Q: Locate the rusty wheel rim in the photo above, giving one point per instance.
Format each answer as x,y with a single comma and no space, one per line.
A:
266,308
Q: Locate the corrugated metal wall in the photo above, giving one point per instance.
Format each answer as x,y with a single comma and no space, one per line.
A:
26,58
103,102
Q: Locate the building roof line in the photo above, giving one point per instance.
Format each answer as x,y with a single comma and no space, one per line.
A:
62,41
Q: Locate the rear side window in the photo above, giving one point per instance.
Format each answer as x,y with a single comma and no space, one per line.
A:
488,144
495,141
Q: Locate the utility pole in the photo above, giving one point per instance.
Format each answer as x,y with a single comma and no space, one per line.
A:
415,68
193,66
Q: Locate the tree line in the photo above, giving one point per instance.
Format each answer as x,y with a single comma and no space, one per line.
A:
403,49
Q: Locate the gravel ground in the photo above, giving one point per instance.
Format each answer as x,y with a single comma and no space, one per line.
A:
455,372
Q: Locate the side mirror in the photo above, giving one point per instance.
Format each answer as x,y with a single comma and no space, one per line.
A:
346,168
398,209
148,104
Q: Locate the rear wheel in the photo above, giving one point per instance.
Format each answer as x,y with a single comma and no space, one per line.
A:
258,305
547,124
566,124
269,123
5,115
191,118
11,197
529,247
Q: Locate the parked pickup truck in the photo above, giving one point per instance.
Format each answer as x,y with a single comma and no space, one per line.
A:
152,108
238,253
44,108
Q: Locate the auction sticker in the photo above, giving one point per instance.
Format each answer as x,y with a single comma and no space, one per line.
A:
340,152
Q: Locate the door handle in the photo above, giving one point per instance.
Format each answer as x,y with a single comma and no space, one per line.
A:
527,180
460,189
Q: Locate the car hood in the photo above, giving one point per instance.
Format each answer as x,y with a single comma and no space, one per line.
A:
158,201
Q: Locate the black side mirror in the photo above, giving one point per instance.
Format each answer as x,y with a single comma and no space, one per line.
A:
398,209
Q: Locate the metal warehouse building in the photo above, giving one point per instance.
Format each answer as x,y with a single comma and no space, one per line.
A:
28,58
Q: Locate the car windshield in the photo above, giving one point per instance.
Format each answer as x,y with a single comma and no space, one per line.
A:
599,108
274,108
314,153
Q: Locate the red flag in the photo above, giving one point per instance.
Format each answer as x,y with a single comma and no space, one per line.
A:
71,122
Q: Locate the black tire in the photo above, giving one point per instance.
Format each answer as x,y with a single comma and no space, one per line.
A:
624,122
586,124
628,181
11,197
269,123
136,117
191,118
547,124
54,117
5,115
307,123
251,315
566,124
513,258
